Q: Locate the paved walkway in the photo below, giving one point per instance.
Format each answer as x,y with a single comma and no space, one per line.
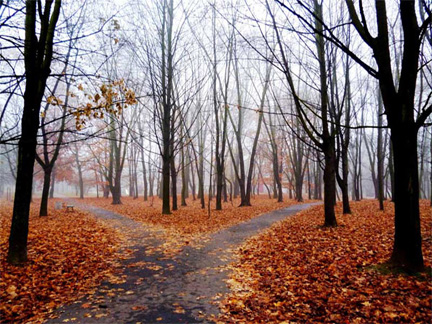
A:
157,289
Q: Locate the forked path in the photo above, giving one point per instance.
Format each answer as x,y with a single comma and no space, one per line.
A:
160,289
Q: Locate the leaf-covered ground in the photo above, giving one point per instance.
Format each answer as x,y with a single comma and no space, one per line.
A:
299,271
189,222
69,254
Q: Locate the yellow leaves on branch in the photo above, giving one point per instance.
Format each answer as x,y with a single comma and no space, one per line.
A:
112,98
54,101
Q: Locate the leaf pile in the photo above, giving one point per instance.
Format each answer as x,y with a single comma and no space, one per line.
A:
299,271
69,254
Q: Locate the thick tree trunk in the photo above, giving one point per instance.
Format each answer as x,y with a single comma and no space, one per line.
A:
116,189
328,137
167,89
407,251
299,185
37,58
329,185
116,195
166,209
219,182
17,253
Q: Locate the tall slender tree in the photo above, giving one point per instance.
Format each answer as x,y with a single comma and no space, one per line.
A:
38,53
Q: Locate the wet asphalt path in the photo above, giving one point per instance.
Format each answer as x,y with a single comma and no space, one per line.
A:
155,288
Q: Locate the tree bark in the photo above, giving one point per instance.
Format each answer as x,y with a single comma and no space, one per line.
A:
380,157
329,185
53,181
167,88
43,211
407,252
37,57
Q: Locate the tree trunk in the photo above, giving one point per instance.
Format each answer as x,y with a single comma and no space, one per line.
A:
97,184
173,182
17,253
309,181
344,140
380,157
106,191
225,191
317,180
407,251
167,89
200,173
184,176
144,176
219,179
131,178
391,171
37,59
80,176
43,211
53,178
329,185
299,189
193,182
151,180
116,195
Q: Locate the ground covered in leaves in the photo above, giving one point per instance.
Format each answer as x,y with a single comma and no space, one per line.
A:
69,254
299,271
191,221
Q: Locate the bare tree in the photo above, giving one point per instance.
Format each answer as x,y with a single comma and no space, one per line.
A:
399,106
38,56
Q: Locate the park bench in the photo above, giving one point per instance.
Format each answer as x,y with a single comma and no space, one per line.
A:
69,207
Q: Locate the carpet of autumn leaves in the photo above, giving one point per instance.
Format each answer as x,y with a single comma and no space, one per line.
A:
190,220
69,254
299,271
